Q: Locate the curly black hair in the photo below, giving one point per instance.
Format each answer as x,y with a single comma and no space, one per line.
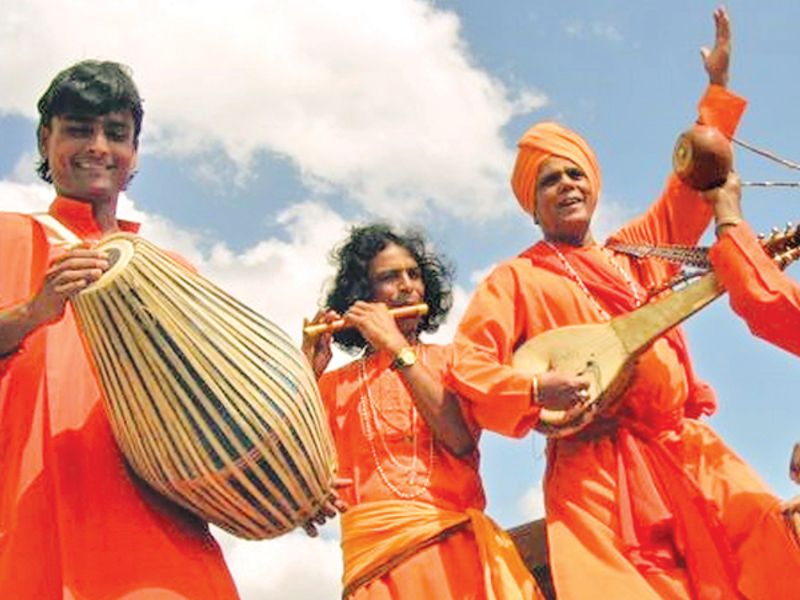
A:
90,87
352,281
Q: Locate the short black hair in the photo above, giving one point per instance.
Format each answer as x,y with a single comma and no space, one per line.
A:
90,87
352,282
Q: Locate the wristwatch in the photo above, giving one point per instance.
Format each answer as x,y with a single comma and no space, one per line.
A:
404,358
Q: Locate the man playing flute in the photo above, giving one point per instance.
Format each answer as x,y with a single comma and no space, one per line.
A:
415,526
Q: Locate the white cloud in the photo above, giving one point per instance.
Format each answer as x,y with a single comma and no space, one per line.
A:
609,216
531,505
24,198
379,99
597,29
292,567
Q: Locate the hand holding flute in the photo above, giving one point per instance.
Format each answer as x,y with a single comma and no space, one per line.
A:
314,329
318,333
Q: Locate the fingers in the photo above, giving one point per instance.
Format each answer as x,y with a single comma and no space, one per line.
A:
723,25
310,529
376,324
794,465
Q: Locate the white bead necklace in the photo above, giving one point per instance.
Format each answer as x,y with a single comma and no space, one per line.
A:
577,279
369,416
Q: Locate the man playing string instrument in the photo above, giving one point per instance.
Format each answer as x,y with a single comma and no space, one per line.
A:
647,502
74,522
763,295
415,526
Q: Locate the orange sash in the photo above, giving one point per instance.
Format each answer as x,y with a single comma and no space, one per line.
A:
377,536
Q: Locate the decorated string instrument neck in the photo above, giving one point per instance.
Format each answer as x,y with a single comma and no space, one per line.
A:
640,327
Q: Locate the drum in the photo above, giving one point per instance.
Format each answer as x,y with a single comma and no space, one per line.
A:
211,404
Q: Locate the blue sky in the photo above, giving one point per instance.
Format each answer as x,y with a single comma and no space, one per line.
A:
271,126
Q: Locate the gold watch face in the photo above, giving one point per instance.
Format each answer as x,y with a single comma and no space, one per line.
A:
405,358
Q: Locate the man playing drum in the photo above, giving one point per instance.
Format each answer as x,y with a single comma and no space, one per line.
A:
763,295
74,522
415,526
647,502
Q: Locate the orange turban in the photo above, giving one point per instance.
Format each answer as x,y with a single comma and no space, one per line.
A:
539,143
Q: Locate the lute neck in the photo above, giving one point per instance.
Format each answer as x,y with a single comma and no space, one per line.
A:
640,327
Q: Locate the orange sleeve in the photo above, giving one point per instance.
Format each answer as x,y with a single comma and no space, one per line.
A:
766,298
681,214
23,262
490,331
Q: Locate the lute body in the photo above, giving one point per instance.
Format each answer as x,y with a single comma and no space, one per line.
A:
607,352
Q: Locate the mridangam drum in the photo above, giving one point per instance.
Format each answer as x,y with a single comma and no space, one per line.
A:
211,404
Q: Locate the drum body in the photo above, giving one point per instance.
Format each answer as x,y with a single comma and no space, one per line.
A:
211,404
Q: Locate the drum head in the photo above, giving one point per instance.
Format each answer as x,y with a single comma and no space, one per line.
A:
119,248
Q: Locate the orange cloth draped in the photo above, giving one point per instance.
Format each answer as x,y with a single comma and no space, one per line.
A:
652,504
766,298
539,143
373,533
74,522
452,567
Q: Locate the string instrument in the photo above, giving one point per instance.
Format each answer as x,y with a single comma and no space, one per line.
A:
607,352
702,157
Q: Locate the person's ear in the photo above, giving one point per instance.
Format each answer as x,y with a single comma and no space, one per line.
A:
43,135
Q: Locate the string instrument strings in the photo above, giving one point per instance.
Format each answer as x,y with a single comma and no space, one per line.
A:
703,157
769,156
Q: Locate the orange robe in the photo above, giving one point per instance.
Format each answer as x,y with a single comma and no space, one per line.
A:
766,298
651,503
449,568
74,521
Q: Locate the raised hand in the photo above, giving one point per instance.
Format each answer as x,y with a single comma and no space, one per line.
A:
717,60
726,201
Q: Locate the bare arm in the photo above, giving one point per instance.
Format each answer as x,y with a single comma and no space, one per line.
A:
439,407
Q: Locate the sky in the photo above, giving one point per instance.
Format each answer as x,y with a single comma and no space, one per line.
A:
273,125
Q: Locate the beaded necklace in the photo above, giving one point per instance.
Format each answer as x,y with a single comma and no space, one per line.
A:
577,279
368,413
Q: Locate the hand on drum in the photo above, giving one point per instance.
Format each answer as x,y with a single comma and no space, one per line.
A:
317,348
376,325
557,391
332,506
726,200
67,275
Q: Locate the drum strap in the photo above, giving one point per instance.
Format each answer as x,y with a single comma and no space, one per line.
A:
58,233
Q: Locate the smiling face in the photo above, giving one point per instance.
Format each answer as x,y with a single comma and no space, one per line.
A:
564,202
90,157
